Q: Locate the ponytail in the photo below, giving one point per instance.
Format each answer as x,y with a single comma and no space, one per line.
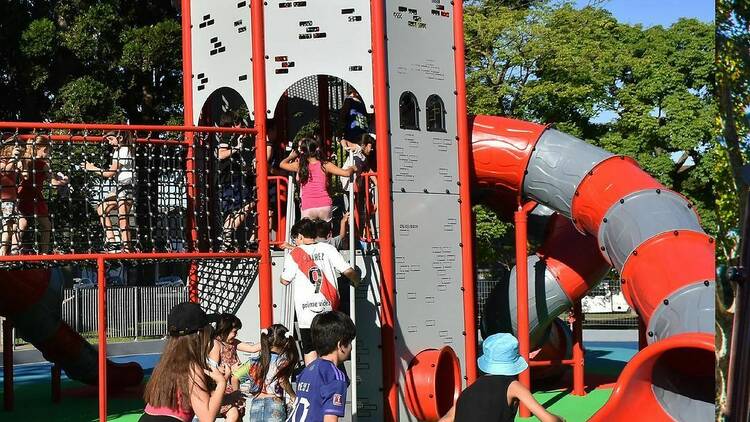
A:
280,337
309,148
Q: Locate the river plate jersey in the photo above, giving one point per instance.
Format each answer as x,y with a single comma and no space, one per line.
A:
308,298
321,390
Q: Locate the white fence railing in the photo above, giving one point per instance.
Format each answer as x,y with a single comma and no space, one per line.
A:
131,311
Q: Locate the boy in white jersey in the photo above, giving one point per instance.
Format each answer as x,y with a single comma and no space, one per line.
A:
313,267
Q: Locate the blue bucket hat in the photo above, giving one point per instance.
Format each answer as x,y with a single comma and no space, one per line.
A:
500,356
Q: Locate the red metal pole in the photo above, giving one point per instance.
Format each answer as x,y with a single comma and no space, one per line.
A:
260,107
385,208
102,295
464,180
142,128
8,393
192,191
522,291
578,353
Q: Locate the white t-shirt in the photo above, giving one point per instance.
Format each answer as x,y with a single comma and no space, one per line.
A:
308,301
124,157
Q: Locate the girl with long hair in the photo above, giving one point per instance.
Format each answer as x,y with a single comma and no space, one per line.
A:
270,373
31,201
181,384
312,173
224,352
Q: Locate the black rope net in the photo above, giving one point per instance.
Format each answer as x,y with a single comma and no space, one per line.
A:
87,192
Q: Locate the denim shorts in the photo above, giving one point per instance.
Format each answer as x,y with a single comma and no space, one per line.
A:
270,409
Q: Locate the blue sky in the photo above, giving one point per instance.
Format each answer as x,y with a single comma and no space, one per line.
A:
655,12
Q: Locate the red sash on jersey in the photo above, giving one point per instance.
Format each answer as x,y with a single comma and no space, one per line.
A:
305,263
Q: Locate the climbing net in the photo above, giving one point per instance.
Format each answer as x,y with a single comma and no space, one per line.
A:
69,189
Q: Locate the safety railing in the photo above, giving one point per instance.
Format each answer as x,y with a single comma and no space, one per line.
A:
278,196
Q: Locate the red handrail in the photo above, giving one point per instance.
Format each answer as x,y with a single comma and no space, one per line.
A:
281,200
104,126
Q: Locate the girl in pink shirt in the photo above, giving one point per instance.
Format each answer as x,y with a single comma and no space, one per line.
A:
312,174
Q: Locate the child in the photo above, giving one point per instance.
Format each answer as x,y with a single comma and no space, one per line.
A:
31,202
311,266
235,187
321,387
224,352
495,396
178,388
270,373
311,172
323,232
294,237
121,198
10,168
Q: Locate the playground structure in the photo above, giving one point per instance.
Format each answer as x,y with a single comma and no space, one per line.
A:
602,212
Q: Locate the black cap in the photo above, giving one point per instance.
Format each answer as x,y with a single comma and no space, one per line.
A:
187,318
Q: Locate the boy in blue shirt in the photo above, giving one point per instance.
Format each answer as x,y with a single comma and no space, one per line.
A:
321,387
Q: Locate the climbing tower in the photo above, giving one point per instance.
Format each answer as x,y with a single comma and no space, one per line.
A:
415,316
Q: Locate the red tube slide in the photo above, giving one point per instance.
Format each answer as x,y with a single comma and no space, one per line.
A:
30,300
610,213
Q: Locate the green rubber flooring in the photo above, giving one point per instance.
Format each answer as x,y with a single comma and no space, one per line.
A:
79,404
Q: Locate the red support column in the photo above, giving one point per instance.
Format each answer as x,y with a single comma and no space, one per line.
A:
102,296
260,107
187,98
464,177
8,393
578,353
385,210
522,290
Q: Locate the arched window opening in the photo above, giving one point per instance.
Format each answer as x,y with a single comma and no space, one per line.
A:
435,114
408,111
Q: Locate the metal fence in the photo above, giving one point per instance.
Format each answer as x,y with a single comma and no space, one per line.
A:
604,306
132,312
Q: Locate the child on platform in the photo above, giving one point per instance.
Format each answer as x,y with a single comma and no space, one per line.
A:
120,199
269,375
321,387
224,352
312,173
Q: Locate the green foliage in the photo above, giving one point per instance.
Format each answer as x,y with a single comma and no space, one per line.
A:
493,240
643,92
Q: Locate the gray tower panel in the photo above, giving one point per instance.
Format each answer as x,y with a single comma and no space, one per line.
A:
688,310
429,300
546,299
220,50
556,167
421,62
318,37
638,217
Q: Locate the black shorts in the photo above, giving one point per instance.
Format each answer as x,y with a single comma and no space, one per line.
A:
306,340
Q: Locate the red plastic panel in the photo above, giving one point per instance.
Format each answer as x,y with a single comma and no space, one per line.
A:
663,264
633,395
572,257
21,289
606,183
501,151
433,383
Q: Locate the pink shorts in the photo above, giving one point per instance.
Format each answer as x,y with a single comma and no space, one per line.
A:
321,213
